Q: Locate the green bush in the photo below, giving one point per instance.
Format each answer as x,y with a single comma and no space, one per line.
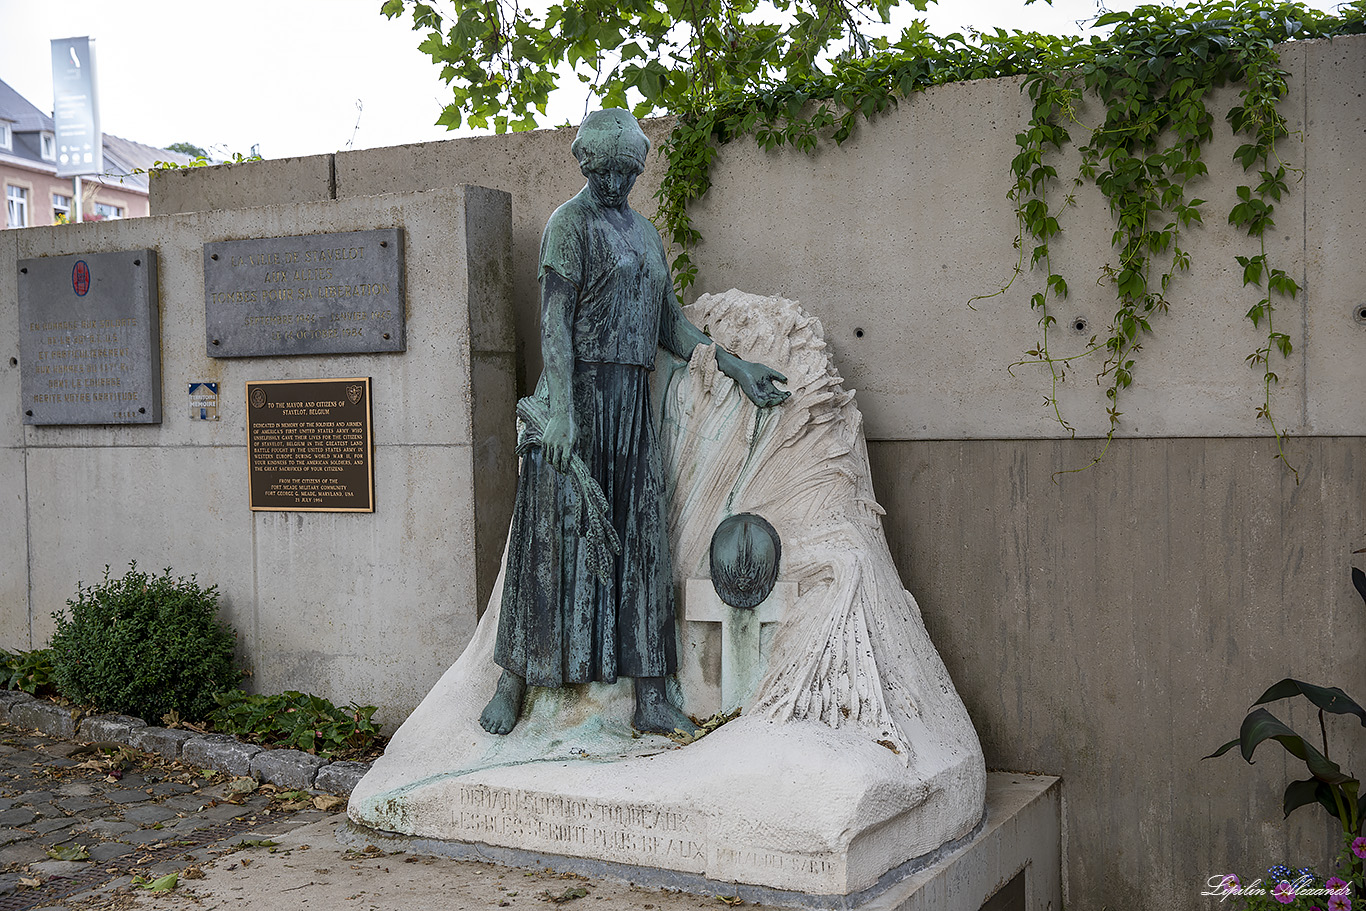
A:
296,720
144,645
27,671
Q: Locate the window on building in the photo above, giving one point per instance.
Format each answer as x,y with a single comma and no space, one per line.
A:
105,211
16,207
6,138
61,209
48,144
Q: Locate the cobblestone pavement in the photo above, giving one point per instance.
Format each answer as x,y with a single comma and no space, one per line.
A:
78,825
76,838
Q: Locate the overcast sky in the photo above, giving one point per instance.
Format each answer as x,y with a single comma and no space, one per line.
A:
294,77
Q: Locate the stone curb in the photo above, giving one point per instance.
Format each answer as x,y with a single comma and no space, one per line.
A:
282,768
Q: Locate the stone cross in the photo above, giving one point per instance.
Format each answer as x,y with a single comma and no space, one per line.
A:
741,662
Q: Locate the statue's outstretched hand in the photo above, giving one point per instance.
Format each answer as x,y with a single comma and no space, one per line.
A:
558,441
756,381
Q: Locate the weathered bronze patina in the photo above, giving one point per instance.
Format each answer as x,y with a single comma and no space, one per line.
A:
583,602
744,557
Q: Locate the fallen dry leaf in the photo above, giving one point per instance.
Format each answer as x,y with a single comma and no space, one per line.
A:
328,801
568,895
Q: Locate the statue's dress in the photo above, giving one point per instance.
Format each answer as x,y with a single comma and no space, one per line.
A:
559,622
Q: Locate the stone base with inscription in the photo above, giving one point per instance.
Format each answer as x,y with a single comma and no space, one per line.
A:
853,754
794,806
1011,861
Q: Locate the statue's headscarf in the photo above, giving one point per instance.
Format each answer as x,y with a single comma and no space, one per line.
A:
610,135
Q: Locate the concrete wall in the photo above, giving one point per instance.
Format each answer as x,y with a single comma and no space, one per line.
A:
1114,627
895,232
1110,627
367,607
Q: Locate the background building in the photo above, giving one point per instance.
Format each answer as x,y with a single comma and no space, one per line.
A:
35,195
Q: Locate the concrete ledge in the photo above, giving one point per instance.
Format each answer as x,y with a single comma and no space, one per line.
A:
286,768
1021,833
219,751
8,700
234,186
165,742
46,717
111,728
340,777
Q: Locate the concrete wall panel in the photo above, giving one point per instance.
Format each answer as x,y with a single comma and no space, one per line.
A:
13,494
14,623
11,418
372,608
1334,191
162,506
1114,627
237,186
889,237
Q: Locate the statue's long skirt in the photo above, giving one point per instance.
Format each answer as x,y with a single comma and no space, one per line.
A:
559,623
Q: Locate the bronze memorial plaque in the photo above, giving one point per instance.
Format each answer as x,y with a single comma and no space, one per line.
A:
309,445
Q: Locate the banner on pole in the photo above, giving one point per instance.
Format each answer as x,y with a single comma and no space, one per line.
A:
75,108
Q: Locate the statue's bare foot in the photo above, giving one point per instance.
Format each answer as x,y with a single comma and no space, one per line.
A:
655,714
501,714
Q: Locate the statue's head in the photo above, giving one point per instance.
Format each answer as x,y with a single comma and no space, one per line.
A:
611,139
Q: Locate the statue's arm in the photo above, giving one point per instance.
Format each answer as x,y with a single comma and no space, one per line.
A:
558,300
679,337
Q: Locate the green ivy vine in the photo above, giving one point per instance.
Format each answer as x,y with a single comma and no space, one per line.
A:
1153,74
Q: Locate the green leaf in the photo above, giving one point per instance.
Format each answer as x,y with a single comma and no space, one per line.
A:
1260,726
68,852
1223,749
1329,698
163,884
1307,791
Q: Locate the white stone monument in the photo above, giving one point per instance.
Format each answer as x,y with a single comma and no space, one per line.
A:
853,754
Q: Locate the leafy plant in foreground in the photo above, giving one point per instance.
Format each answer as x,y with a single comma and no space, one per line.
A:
30,672
296,720
1338,792
143,645
1327,785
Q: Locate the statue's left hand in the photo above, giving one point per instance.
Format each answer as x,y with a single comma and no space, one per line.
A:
756,381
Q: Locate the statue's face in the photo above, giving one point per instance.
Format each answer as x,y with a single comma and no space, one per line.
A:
611,181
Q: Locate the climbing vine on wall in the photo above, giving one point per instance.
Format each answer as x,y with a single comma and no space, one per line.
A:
1154,75
802,73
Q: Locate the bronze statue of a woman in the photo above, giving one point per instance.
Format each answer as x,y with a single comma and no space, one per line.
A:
607,305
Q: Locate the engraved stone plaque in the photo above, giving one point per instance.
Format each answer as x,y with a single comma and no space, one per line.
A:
311,294
90,339
309,445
